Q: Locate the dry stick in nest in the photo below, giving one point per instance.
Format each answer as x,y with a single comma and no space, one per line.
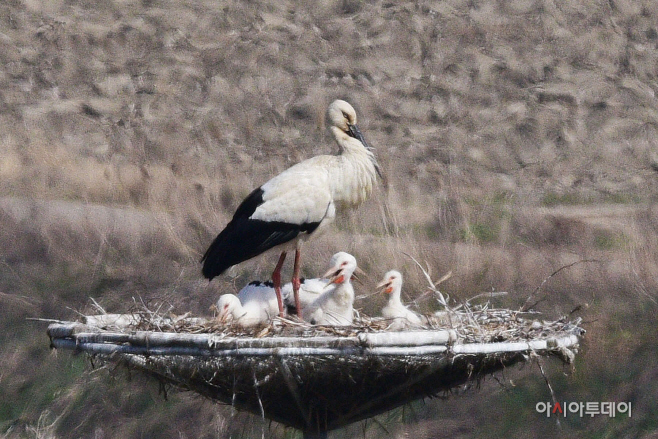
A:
488,294
525,306
441,298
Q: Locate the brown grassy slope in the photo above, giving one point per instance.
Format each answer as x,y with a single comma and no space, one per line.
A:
516,137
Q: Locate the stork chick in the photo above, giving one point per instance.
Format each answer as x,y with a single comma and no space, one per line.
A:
255,304
401,315
335,306
231,310
301,201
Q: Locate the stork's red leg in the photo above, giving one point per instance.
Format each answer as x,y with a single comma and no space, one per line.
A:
296,282
276,280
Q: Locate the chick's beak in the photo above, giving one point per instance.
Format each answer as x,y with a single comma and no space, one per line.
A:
331,272
335,275
385,287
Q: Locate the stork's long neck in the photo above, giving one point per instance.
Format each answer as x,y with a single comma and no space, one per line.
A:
239,312
355,172
394,298
344,293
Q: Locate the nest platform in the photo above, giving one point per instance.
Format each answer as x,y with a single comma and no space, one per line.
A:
315,378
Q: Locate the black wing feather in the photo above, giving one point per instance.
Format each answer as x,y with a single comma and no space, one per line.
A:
243,238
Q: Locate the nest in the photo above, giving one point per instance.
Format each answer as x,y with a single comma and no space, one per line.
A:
318,378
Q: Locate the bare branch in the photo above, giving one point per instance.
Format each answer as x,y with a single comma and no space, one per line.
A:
525,306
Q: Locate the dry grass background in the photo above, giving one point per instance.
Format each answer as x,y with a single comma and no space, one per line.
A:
516,137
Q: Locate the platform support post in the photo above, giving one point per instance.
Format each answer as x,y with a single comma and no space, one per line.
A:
315,434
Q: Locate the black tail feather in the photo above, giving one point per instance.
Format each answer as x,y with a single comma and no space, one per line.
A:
244,238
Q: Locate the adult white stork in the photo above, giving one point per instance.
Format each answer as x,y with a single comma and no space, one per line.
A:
401,315
299,202
335,306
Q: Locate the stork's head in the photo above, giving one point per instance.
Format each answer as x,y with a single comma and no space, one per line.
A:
342,118
342,268
227,306
341,115
392,282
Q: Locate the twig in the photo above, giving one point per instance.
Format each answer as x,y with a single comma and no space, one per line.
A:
582,306
442,299
37,319
525,305
365,296
75,311
550,388
260,403
293,388
491,294
97,306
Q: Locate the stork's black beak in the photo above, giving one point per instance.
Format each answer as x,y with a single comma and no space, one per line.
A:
354,131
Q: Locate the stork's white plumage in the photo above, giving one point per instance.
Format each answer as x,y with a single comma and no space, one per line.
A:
395,310
301,201
261,295
335,306
309,290
251,307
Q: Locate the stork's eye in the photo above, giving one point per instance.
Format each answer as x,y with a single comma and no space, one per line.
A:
343,264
